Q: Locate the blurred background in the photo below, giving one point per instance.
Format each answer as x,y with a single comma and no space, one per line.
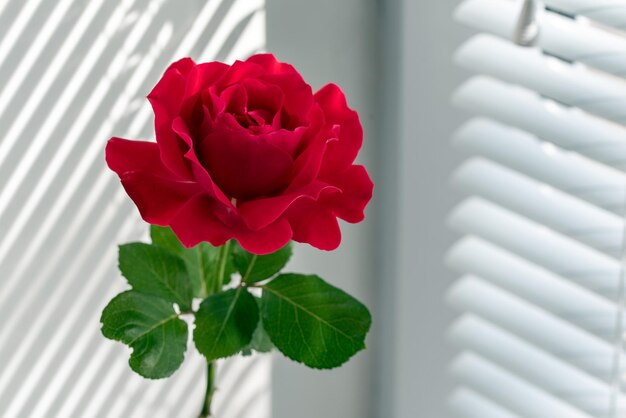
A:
73,73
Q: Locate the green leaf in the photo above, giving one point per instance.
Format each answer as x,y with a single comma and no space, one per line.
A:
254,268
164,237
225,323
312,322
156,271
261,342
151,327
201,260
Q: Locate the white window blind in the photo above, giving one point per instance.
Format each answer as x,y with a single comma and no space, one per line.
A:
541,287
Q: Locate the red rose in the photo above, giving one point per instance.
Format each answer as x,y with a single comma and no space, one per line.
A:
248,152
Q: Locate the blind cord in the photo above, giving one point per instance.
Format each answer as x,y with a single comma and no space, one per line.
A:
619,329
527,29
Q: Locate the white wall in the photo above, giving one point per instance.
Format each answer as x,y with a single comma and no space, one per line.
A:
393,57
61,214
419,39
332,41
72,74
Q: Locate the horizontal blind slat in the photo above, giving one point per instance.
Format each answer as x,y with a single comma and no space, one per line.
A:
555,293
531,363
561,36
608,12
555,335
514,393
593,91
542,203
568,127
537,243
569,171
468,403
543,224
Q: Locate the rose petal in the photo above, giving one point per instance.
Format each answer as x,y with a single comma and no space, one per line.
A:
342,153
235,99
261,212
263,96
173,150
167,96
240,70
212,104
200,173
158,199
288,141
272,65
244,166
313,224
267,240
204,75
313,146
123,155
298,98
197,222
306,167
357,189
166,99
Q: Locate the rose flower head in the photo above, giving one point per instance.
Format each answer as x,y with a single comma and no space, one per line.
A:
246,152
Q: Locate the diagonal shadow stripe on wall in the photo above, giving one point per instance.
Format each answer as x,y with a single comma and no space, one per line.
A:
63,213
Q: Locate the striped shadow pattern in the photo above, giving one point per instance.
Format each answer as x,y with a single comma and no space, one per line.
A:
72,74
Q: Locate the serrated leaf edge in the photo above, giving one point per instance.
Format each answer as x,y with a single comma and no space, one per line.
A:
180,300
130,343
359,344
223,326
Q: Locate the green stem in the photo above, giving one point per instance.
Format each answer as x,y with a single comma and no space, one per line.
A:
210,388
222,259
250,267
